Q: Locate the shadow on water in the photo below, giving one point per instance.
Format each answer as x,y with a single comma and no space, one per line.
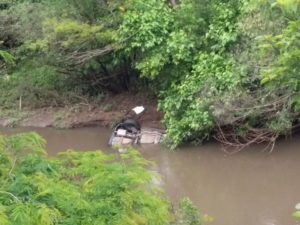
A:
248,188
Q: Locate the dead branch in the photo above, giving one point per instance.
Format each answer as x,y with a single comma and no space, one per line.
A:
234,143
81,57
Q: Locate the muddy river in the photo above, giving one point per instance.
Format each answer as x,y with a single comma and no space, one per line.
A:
249,188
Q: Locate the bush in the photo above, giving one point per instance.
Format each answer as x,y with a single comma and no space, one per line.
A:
78,187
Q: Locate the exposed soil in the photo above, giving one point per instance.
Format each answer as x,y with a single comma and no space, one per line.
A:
106,112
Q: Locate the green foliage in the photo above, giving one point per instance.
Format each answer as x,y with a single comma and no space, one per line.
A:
186,105
186,57
284,48
67,34
284,68
8,58
281,69
80,187
38,84
222,28
141,25
58,42
187,214
20,22
75,188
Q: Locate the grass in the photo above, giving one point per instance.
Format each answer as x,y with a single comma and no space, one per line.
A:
12,116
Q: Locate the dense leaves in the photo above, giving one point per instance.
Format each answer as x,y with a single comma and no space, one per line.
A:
80,188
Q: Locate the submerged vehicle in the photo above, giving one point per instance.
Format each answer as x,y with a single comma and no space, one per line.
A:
129,132
126,132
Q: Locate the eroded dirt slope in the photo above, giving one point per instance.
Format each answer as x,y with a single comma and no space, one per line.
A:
106,112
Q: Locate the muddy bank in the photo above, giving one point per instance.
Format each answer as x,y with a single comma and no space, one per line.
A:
103,113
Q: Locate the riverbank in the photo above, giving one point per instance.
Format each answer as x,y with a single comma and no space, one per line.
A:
106,113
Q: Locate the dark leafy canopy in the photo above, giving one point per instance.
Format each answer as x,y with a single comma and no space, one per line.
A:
223,67
80,188
62,49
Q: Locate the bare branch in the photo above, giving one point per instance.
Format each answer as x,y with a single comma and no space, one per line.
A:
82,57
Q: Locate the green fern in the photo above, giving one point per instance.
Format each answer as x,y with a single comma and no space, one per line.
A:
8,58
75,187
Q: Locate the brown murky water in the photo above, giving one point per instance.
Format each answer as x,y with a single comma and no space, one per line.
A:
249,188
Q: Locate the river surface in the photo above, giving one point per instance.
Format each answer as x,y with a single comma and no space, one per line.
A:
248,188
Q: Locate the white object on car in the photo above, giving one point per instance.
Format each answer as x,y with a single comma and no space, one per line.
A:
121,132
138,109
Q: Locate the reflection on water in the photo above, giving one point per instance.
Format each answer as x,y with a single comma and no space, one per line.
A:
249,188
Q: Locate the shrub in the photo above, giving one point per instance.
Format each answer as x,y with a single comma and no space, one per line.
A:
78,187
